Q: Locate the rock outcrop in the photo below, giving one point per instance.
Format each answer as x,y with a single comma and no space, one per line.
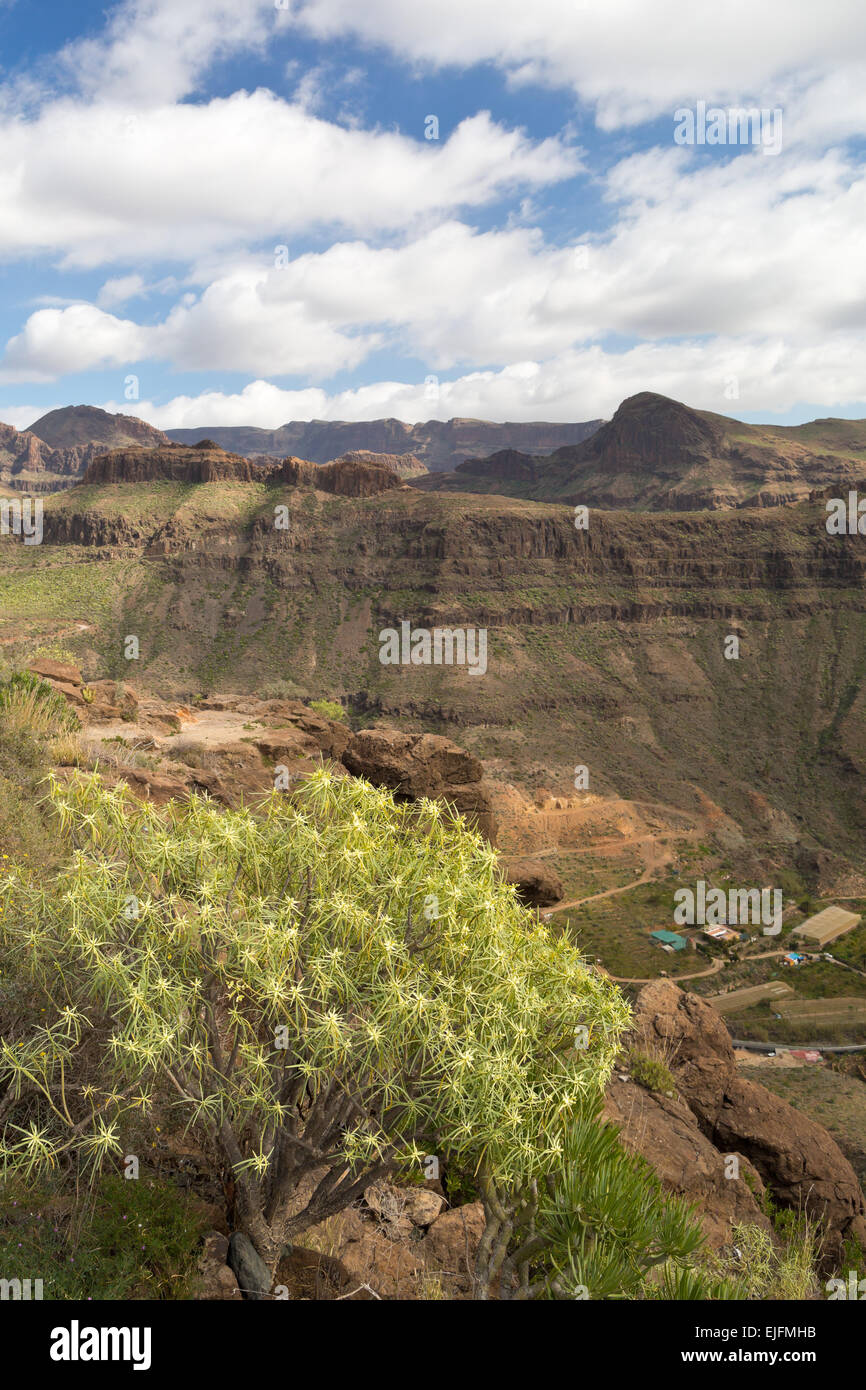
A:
536,882
664,1131
205,462
795,1157
94,702
404,465
347,477
416,765
169,464
28,464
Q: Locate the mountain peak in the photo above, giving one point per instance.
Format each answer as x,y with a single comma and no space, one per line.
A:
73,426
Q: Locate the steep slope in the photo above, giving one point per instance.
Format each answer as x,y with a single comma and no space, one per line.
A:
657,454
438,444
28,464
605,647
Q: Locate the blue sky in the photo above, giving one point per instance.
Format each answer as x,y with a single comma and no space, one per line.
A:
226,211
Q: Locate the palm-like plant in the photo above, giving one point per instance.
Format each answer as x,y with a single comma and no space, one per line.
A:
598,1226
332,988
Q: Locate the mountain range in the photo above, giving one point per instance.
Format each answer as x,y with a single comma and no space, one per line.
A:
440,445
57,448
657,454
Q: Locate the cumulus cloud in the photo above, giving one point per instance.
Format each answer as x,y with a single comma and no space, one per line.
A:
709,268
631,60
152,51
749,247
728,376
120,289
56,341
101,185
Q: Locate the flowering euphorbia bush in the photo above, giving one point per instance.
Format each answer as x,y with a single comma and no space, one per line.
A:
332,988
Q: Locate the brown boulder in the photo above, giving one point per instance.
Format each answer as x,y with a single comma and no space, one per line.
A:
107,700
412,764
536,882
392,1267
451,1245
422,765
404,1207
150,786
664,1131
797,1159
56,671
217,1281
278,745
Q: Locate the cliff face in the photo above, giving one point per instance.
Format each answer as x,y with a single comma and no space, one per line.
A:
438,444
28,464
404,465
345,477
169,464
604,646
207,463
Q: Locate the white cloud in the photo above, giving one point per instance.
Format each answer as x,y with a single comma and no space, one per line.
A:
767,376
750,259
100,185
56,341
752,247
153,51
120,289
631,59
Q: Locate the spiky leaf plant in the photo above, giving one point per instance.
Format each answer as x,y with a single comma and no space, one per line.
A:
598,1226
333,988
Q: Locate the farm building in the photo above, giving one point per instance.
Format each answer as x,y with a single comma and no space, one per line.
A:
669,940
721,934
826,926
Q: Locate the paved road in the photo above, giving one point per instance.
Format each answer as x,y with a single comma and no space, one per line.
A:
798,1046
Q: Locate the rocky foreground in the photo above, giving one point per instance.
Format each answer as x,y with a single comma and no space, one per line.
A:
400,1242
409,1243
